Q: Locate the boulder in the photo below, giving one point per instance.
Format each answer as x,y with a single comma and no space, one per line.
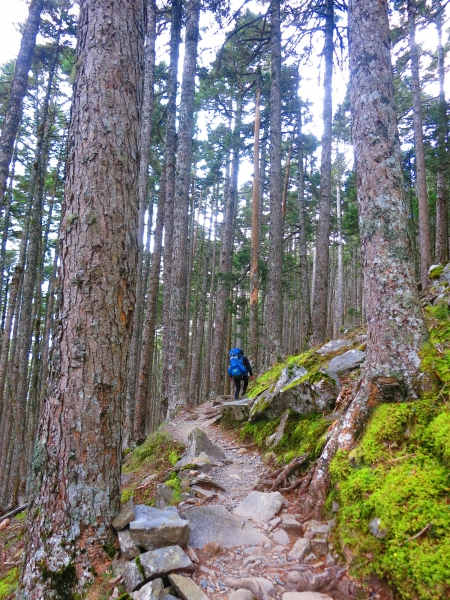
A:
301,548
346,362
198,443
206,481
128,547
260,506
325,393
203,463
150,591
281,537
155,563
305,596
134,577
334,346
126,514
237,410
215,524
202,492
186,588
290,524
155,528
319,547
164,495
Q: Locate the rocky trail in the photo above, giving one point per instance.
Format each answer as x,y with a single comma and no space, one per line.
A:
238,543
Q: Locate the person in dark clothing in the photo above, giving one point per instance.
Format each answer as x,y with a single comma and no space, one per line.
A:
244,378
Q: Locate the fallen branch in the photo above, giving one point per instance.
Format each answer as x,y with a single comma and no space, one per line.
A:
14,512
424,530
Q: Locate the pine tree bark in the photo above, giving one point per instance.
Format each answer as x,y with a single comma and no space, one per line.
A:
273,320
176,388
319,311
442,155
339,293
79,438
421,175
18,90
395,326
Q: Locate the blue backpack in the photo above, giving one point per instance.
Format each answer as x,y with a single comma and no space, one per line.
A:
236,368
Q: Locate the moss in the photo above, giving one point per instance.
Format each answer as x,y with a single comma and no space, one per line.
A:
174,457
127,494
110,550
8,583
62,581
438,436
140,566
175,483
436,272
125,597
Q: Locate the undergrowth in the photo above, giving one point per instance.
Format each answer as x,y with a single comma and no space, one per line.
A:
8,583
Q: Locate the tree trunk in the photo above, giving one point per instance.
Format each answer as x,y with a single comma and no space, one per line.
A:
176,388
144,146
442,167
395,326
319,312
79,442
209,331
421,175
254,324
274,323
339,293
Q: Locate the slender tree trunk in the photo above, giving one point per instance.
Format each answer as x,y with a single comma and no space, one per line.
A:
145,140
442,156
254,324
421,175
18,90
79,443
303,249
273,321
319,312
176,389
339,293
194,383
395,326
209,333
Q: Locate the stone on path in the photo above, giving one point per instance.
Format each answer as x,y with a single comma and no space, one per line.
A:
164,495
155,563
126,514
202,492
260,587
150,591
201,462
221,399
215,524
237,410
333,346
128,547
198,442
155,528
314,529
346,362
301,548
281,537
186,588
305,596
260,506
241,594
206,480
290,524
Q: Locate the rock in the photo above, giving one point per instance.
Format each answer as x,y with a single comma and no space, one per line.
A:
260,587
164,495
186,588
152,564
274,522
221,399
4,524
119,566
274,439
204,479
329,560
241,594
325,393
192,417
146,481
128,547
376,530
126,514
333,346
281,537
314,529
134,578
346,362
155,528
290,524
215,524
301,548
150,591
305,596
198,442
237,410
260,506
202,493
319,547
192,554
202,462
307,581
170,597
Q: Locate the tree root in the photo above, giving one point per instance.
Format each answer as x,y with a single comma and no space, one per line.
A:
277,478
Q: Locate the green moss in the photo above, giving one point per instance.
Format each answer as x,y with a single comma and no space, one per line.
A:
175,483
438,435
140,566
8,583
436,272
125,597
127,494
174,457
151,448
62,581
110,550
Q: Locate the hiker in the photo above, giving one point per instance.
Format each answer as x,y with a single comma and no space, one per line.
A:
239,370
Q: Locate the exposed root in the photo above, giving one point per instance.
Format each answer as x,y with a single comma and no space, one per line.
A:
277,478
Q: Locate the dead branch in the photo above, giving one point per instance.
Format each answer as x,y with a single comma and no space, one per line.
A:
14,512
414,537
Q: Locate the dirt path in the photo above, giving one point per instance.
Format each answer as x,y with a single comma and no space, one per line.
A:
319,571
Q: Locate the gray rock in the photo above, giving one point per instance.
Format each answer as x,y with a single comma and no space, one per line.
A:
241,594
314,529
290,524
221,399
164,495
202,492
126,514
119,566
203,463
155,528
165,560
128,547
376,530
319,547
305,596
237,410
205,480
274,439
150,591
301,548
170,597
329,560
198,442
260,506
346,362
334,346
281,537
325,393
134,578
186,588
216,524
